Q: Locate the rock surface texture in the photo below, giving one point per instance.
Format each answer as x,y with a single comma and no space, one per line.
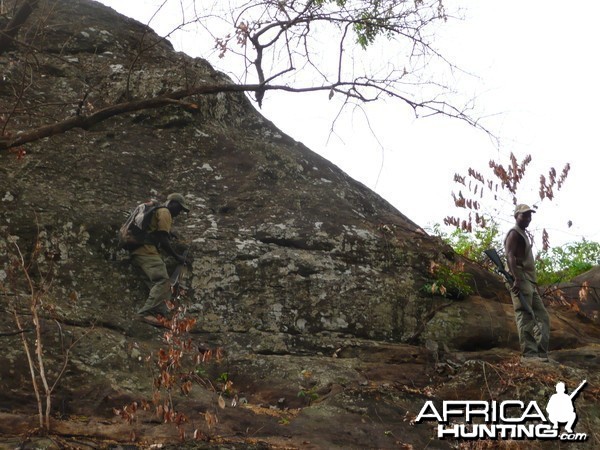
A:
314,326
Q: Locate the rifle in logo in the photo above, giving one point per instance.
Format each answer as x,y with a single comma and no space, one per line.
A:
507,419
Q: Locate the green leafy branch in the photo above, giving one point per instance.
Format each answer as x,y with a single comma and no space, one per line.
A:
450,281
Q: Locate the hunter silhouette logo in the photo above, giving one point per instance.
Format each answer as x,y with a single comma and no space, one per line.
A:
560,407
509,419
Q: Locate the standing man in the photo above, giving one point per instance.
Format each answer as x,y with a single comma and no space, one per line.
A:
147,258
533,337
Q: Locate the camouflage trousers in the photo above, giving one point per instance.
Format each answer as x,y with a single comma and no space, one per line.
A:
534,335
157,280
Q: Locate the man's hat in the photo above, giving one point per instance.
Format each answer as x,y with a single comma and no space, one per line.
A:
179,199
522,208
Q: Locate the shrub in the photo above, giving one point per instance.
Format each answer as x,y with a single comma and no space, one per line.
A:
563,263
471,244
450,281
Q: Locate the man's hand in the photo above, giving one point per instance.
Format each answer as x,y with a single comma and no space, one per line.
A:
516,287
181,259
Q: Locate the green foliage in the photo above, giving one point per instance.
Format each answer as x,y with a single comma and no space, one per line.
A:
309,395
471,244
340,3
555,265
370,24
561,264
372,18
450,281
223,378
225,384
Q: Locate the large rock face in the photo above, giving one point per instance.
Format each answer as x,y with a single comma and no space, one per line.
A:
283,240
310,283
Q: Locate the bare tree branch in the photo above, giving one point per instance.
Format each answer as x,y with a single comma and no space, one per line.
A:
13,333
270,35
348,88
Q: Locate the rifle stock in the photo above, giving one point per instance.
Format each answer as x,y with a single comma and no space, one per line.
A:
493,255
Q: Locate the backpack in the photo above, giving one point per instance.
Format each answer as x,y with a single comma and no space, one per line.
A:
132,233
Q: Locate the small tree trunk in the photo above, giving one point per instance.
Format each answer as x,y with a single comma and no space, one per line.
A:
36,389
12,28
39,350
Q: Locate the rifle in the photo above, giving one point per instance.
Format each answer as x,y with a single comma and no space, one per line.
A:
576,391
495,258
177,272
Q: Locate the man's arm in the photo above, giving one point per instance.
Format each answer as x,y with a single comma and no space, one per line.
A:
165,244
162,235
513,245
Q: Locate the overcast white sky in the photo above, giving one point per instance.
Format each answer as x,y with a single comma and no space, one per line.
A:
537,79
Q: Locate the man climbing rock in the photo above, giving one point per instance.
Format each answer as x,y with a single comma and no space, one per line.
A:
534,330
147,257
